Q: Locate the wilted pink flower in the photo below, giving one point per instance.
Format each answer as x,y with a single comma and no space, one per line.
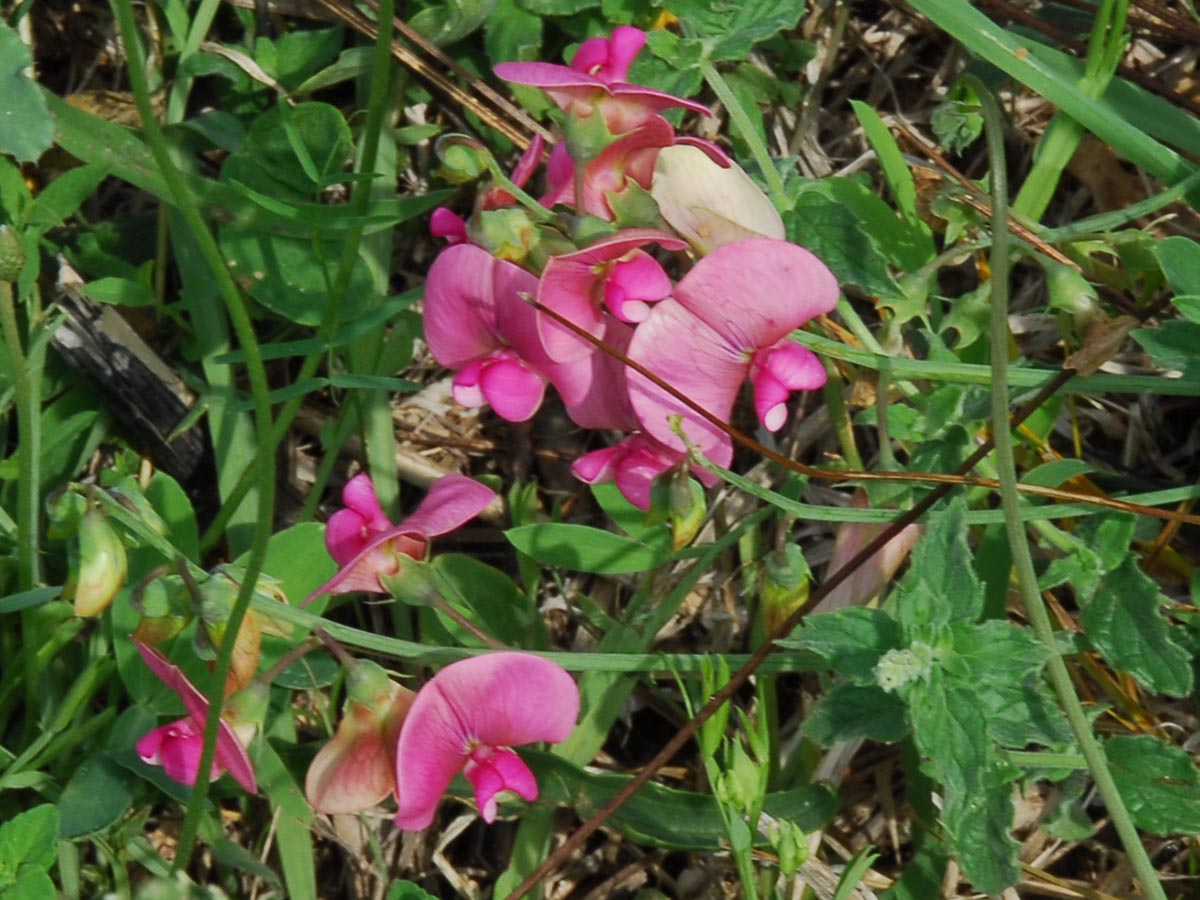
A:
177,746
594,83
380,551
728,319
613,274
467,718
635,462
873,575
711,203
357,768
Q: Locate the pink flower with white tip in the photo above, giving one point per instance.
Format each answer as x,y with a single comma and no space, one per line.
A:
467,719
177,746
636,461
612,274
368,547
727,320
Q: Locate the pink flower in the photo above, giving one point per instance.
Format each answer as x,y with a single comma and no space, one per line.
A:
176,746
613,274
446,223
728,319
477,322
595,83
467,718
377,548
357,769
873,575
636,462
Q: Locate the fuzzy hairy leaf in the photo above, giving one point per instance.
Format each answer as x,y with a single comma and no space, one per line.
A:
1125,624
1158,782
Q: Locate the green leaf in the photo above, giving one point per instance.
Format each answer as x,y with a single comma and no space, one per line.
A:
581,548
957,121
26,127
1158,782
28,839
406,890
269,159
661,816
849,711
120,291
298,558
64,195
452,20
512,33
490,598
835,235
1172,345
730,30
850,640
97,795
1055,472
941,585
1180,260
951,732
28,599
895,170
1124,622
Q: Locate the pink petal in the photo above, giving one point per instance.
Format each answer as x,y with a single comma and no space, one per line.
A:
593,389
789,286
629,158
493,770
598,466
501,699
465,285
691,357
345,535
633,284
869,578
632,105
465,385
529,161
231,755
451,501
776,372
713,151
178,752
610,59
512,389
560,178
571,286
359,495
446,223
633,464
548,76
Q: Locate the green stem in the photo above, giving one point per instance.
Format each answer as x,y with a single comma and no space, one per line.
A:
25,384
331,318
1062,136
260,390
738,117
1035,610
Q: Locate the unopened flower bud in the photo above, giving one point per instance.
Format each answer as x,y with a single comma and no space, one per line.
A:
463,158
687,509
413,583
99,566
507,234
785,586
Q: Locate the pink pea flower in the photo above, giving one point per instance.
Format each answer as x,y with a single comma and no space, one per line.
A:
477,322
357,769
176,746
369,547
446,223
594,83
728,319
613,274
468,718
873,575
636,462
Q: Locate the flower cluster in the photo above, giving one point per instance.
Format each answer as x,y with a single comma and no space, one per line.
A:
625,193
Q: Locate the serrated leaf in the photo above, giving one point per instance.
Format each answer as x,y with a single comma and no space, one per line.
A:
850,640
835,235
849,711
730,30
26,126
950,729
581,548
1158,782
941,585
28,839
1123,621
